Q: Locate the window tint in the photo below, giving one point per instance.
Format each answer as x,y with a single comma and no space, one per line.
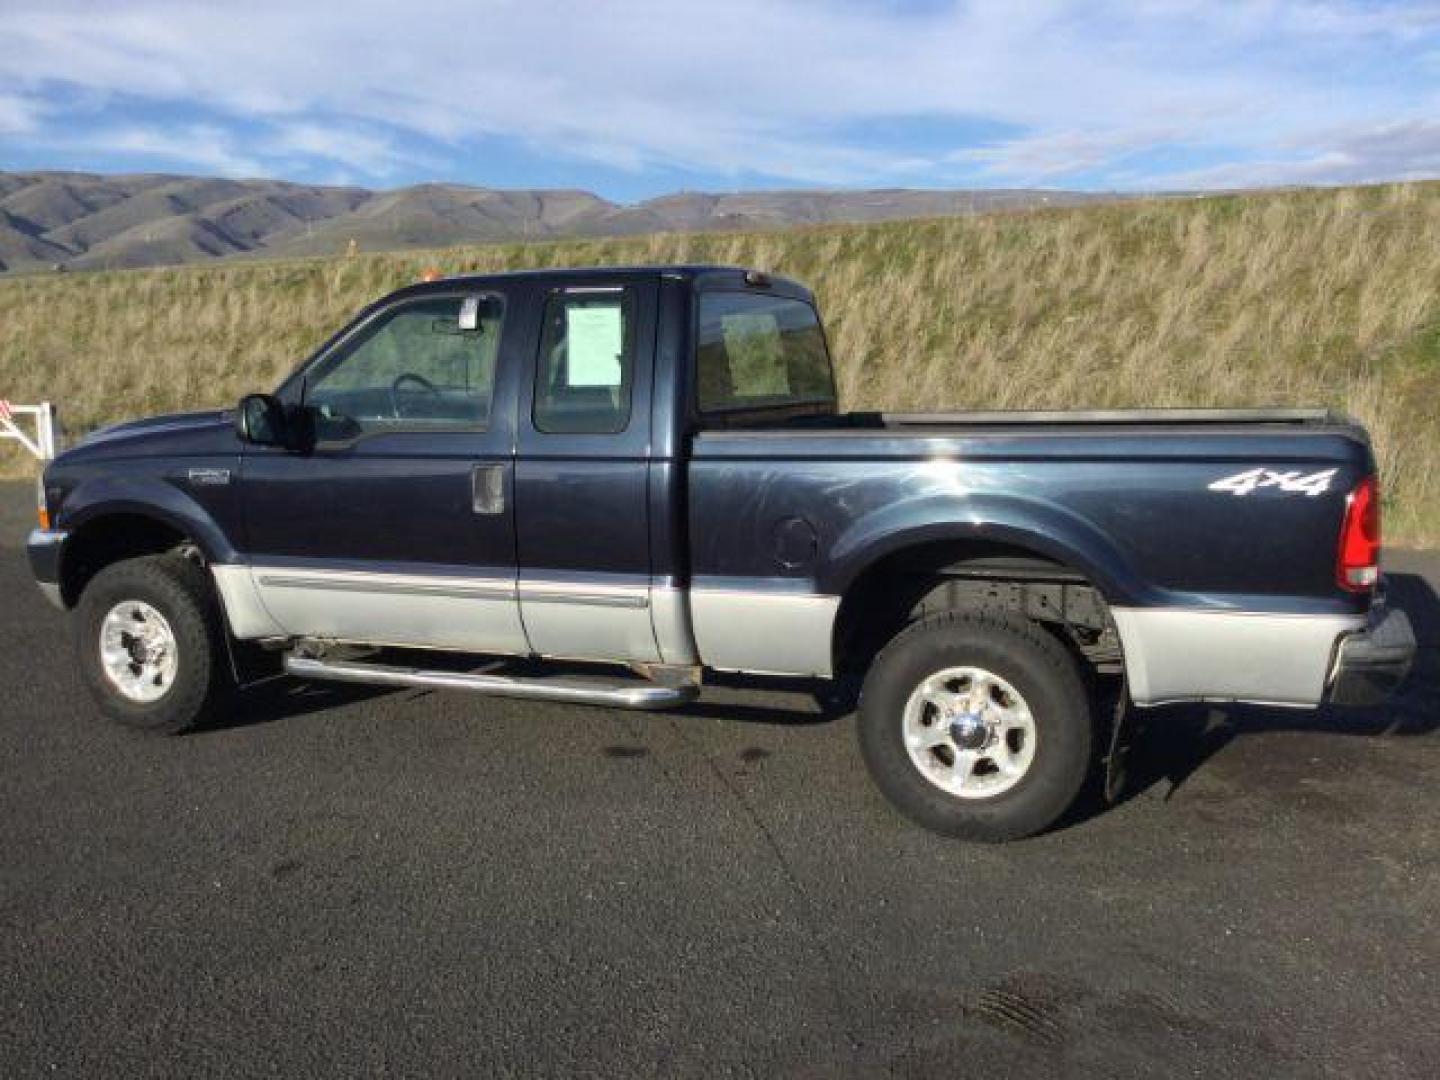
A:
587,357
756,350
414,368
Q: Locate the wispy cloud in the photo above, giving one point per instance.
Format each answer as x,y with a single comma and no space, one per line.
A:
206,148
1036,91
366,152
1401,151
1060,153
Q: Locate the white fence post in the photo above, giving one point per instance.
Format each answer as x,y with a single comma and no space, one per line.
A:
44,445
50,431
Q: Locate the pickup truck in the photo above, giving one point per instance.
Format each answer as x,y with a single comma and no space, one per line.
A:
631,477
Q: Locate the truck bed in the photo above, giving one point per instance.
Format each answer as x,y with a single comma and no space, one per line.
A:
1160,494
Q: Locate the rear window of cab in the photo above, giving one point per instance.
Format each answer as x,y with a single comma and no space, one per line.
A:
755,351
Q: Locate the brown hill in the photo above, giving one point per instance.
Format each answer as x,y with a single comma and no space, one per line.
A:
83,220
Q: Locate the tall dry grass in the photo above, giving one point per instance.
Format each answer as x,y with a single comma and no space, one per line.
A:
1325,298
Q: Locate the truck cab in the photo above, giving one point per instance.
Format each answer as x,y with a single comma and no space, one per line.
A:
647,467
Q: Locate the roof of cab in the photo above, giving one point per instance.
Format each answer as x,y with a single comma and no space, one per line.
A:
702,277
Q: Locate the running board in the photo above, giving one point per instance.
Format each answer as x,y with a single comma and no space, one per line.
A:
575,692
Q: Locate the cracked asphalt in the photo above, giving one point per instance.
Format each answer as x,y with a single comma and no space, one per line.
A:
346,882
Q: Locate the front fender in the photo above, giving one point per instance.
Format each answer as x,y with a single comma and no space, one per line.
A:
151,497
1036,525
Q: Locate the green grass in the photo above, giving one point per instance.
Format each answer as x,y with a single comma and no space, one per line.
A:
1298,298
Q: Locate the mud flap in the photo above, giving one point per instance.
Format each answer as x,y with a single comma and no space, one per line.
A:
1123,724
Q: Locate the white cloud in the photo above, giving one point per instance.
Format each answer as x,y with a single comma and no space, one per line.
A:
18,115
791,89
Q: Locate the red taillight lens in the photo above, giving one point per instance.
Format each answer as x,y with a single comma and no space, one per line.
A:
1358,568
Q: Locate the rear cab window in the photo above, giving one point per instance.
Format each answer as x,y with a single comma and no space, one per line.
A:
756,351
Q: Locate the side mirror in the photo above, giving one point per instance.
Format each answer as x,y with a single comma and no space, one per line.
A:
260,419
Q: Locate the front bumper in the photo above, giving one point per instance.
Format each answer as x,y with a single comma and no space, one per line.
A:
44,547
1370,664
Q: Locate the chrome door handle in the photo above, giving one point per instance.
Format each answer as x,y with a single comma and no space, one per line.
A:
487,489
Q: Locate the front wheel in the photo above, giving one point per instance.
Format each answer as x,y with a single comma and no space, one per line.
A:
977,724
149,641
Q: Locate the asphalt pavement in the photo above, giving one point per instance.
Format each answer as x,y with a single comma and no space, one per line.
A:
340,881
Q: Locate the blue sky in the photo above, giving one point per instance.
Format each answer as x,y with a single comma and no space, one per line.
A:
633,98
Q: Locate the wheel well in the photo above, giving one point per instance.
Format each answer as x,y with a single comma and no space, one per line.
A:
956,575
107,540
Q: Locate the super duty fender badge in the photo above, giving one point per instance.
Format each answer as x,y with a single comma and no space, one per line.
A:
1293,482
209,477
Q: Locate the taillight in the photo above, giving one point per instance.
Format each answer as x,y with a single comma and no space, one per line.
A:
1358,567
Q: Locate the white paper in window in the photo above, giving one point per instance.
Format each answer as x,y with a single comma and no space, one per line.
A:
594,338
757,358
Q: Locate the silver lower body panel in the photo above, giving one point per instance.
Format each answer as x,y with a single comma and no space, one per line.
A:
764,632
606,617
589,617
471,613
1181,654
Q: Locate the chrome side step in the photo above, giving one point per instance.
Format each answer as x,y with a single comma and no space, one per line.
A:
573,691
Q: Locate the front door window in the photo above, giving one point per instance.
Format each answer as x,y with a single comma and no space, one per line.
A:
428,365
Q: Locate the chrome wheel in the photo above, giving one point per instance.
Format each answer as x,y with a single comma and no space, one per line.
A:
969,732
138,652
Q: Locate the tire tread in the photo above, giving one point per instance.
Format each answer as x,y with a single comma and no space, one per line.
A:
1038,800
188,603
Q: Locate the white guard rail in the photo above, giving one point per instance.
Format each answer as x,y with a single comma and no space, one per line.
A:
43,443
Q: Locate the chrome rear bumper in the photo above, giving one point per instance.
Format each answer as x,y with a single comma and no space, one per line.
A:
1370,664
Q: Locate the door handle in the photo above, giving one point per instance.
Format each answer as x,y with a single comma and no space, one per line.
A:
487,489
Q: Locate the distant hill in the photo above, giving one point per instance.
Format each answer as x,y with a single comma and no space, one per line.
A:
87,221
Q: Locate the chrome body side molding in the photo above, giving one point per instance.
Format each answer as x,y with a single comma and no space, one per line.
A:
1182,654
762,631
387,586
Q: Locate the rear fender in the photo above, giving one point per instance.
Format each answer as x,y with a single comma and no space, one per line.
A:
1044,528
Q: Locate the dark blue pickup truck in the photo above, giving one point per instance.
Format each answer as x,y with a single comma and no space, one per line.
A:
646,469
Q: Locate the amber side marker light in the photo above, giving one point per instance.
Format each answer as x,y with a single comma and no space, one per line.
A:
42,505
430,273
1358,567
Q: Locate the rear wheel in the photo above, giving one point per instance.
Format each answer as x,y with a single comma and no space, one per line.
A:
149,641
977,724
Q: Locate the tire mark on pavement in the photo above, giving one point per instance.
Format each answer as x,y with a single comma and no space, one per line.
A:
810,913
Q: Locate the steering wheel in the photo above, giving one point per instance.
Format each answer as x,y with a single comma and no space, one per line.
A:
425,385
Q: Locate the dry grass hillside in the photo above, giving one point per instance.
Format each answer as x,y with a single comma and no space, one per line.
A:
1329,298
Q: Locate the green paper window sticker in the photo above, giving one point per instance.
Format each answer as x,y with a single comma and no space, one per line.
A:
594,341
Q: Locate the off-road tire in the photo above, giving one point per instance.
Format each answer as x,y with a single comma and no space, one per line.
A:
179,590
1037,665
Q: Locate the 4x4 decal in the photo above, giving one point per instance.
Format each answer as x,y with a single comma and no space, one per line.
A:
1293,482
